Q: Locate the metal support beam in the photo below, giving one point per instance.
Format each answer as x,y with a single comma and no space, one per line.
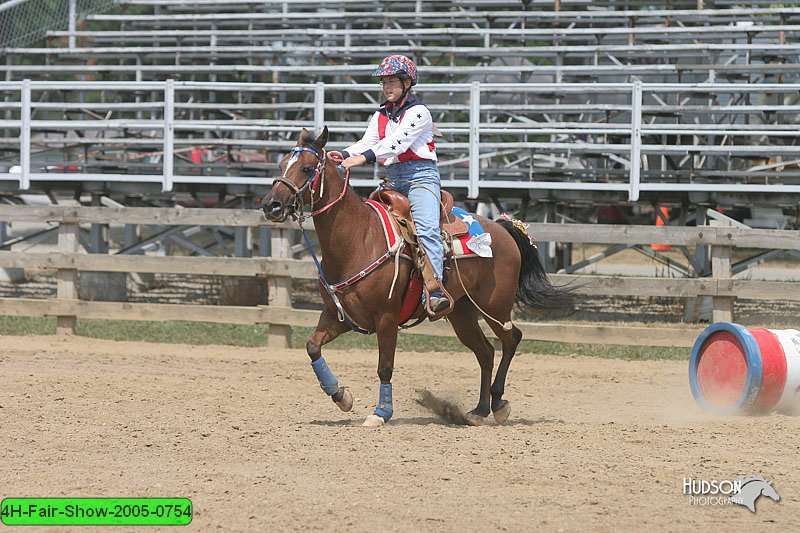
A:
264,242
25,136
98,243
319,105
636,140
608,252
702,252
474,139
756,260
140,247
73,19
169,134
241,240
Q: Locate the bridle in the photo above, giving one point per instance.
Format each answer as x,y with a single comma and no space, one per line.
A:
315,176
315,180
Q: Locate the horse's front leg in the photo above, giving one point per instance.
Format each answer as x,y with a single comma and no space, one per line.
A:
328,328
387,343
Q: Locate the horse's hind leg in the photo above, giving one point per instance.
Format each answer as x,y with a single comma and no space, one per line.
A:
328,328
464,320
510,340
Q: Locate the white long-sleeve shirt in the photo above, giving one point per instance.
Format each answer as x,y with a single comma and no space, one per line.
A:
405,135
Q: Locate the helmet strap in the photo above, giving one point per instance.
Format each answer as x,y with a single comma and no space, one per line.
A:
395,106
406,91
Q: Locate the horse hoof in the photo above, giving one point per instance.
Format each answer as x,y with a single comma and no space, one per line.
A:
373,421
502,413
344,399
473,419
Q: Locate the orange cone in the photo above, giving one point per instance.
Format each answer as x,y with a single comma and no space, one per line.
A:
661,220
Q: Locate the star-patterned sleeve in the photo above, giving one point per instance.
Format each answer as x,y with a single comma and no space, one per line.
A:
367,141
415,128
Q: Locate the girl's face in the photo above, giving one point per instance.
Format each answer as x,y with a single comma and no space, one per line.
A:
393,87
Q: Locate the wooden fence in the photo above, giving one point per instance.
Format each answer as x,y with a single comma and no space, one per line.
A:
280,269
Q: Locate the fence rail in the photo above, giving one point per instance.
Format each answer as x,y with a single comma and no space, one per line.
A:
280,271
632,138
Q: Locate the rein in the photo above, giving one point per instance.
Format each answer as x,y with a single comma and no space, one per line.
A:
342,314
341,194
318,178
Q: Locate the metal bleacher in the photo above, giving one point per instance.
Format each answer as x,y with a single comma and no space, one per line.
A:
566,101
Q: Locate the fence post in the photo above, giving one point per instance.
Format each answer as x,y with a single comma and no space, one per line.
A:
73,19
25,136
169,134
319,106
636,141
474,139
280,290
721,269
67,278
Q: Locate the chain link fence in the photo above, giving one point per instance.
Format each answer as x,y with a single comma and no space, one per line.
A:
23,22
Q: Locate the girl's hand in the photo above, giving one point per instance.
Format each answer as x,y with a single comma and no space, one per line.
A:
354,161
336,157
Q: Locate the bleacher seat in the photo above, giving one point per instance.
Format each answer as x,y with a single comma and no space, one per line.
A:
689,136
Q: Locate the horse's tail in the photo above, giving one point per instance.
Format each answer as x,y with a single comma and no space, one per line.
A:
534,289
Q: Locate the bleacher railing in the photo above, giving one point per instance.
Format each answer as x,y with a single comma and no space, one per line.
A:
626,137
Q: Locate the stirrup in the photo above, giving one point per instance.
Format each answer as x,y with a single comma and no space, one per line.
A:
439,303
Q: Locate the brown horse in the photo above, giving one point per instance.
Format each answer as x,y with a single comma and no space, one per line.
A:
351,238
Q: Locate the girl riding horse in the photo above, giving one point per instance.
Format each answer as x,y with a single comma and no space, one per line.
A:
351,237
400,136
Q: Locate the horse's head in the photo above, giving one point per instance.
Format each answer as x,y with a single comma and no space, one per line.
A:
752,488
769,491
299,170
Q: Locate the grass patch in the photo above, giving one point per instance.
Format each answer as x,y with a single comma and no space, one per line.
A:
194,333
24,325
606,351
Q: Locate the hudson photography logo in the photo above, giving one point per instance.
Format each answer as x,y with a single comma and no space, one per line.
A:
743,491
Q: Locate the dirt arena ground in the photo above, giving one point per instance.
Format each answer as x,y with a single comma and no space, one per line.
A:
248,436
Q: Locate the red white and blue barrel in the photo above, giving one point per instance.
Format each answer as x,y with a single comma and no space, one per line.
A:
736,370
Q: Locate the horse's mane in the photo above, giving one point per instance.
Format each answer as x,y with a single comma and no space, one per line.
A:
306,141
309,140
750,479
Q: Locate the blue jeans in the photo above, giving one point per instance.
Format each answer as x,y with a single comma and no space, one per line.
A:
420,181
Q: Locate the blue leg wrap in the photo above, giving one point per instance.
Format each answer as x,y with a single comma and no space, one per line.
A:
384,408
327,380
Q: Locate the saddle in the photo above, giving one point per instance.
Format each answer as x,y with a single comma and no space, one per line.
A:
400,209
